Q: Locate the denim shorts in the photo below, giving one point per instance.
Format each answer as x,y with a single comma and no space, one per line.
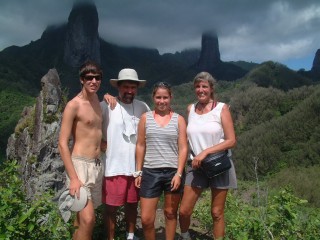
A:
154,181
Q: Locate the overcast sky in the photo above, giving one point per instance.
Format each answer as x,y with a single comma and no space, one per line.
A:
250,30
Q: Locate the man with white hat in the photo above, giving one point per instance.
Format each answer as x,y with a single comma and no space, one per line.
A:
119,130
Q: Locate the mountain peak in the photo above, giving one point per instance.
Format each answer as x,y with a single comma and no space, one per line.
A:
210,54
82,37
316,62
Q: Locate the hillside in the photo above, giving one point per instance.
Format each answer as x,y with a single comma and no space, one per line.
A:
289,140
12,102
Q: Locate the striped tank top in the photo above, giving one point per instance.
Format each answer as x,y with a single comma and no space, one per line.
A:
161,143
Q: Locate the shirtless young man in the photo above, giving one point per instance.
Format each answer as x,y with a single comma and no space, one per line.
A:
82,120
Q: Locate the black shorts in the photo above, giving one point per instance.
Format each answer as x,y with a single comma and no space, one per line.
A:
154,181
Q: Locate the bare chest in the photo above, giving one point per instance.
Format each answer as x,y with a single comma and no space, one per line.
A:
90,116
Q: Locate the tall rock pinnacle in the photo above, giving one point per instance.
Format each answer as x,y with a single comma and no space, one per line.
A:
316,62
210,54
82,37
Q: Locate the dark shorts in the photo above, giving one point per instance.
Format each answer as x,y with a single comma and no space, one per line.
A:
197,178
154,181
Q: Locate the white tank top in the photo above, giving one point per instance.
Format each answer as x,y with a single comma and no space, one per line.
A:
205,130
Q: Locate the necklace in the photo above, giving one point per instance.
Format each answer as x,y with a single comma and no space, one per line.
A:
204,105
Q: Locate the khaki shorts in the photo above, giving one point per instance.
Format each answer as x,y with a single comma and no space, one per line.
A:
90,172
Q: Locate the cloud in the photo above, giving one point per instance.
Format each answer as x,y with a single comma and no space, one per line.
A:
248,30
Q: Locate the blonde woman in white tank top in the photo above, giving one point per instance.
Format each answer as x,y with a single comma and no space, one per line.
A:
210,130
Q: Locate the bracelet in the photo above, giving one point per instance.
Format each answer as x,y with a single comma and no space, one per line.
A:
178,174
137,174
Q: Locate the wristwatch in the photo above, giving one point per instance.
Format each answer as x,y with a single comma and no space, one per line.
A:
137,174
180,175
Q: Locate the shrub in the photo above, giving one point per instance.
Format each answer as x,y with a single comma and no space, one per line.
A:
282,216
22,218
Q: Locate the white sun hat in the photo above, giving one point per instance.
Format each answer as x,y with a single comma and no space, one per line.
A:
68,203
125,75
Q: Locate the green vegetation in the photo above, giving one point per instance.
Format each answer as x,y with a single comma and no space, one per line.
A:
291,139
254,211
245,65
272,74
279,215
27,122
302,180
22,218
12,103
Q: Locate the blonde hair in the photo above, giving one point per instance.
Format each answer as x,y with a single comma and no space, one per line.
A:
205,76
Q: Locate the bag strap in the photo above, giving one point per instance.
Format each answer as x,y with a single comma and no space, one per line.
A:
192,153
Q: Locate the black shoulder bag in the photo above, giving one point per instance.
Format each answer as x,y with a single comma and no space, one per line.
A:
215,164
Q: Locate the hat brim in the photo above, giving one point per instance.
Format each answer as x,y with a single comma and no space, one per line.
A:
81,202
114,82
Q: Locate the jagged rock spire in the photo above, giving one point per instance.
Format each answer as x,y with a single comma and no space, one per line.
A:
35,141
210,54
82,37
316,62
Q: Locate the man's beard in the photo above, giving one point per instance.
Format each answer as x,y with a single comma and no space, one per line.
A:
127,98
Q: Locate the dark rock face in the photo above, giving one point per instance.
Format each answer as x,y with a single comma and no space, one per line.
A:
82,37
316,63
209,60
35,146
210,54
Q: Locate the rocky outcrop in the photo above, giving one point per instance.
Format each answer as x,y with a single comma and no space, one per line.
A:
82,37
316,63
210,54
210,61
35,141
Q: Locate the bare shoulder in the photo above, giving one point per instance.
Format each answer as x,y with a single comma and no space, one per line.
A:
181,119
189,108
143,117
72,105
225,113
225,108
182,125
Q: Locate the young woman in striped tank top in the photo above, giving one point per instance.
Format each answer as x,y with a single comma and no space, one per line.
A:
161,153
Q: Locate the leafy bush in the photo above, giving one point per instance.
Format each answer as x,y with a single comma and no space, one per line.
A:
289,140
22,218
39,218
302,180
12,103
283,216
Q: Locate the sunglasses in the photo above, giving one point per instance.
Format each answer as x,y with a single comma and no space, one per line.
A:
91,77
